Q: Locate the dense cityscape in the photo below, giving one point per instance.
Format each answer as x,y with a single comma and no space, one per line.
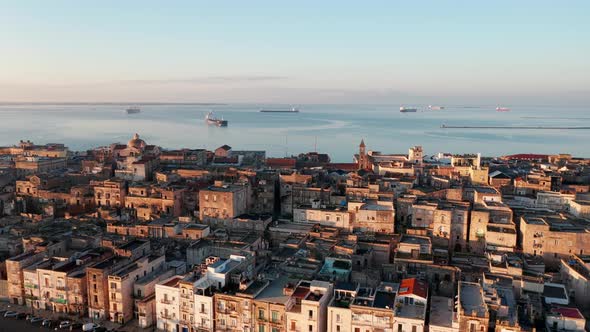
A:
133,236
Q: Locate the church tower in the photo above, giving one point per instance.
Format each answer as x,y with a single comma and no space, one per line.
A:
363,162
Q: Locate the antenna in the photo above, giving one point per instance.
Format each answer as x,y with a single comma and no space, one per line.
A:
286,145
315,144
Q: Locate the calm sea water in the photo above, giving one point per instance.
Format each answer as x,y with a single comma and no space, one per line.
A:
335,129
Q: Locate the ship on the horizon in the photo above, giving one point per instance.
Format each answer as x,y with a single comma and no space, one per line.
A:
133,110
212,120
435,108
292,110
502,109
408,110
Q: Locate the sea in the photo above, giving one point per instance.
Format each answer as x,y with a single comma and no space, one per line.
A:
333,129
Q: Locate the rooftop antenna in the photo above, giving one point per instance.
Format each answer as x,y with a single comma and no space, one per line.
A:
315,145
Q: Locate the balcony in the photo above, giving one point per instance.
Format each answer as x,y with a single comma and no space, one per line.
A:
31,297
58,300
164,316
186,295
27,285
166,301
61,288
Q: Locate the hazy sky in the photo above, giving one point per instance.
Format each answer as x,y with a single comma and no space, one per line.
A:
296,51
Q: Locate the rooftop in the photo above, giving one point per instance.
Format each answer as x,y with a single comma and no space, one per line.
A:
471,297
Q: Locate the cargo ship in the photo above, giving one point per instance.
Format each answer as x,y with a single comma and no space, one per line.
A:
408,110
502,109
435,108
133,110
292,110
212,120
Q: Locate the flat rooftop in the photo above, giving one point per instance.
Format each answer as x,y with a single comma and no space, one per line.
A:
441,311
472,300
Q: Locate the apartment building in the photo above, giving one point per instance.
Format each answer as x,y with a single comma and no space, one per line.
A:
491,227
410,306
372,216
97,277
362,309
554,236
223,201
14,272
120,286
310,309
145,202
472,311
109,192
332,216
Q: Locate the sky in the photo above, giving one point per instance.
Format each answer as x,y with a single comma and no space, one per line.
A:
508,52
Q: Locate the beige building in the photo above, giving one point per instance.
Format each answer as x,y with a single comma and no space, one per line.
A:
36,165
472,311
326,216
575,274
554,237
362,309
109,193
120,286
310,310
14,270
223,201
148,202
491,227
373,216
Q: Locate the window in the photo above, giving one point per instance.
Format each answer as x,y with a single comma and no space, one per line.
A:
311,314
337,328
260,314
413,328
399,328
274,316
261,328
311,328
338,318
472,327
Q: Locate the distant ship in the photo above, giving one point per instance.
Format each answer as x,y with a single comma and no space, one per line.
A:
408,110
502,109
133,110
435,108
292,110
211,120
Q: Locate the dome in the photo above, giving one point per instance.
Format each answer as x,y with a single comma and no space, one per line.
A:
136,142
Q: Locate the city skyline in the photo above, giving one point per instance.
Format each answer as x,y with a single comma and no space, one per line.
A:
381,52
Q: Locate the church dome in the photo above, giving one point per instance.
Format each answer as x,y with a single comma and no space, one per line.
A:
136,142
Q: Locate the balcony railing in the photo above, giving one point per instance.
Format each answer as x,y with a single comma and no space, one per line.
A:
166,301
58,300
61,288
31,286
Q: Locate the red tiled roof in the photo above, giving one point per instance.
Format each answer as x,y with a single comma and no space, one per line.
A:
567,312
343,166
413,286
281,162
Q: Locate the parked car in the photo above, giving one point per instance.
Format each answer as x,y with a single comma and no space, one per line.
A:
100,329
10,314
21,316
2,312
76,327
90,327
36,320
64,325
49,323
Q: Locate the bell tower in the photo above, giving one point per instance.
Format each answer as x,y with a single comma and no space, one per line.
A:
362,155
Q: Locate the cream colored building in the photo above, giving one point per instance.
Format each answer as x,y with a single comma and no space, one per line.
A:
121,283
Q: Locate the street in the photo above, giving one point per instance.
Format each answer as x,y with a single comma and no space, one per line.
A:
13,325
